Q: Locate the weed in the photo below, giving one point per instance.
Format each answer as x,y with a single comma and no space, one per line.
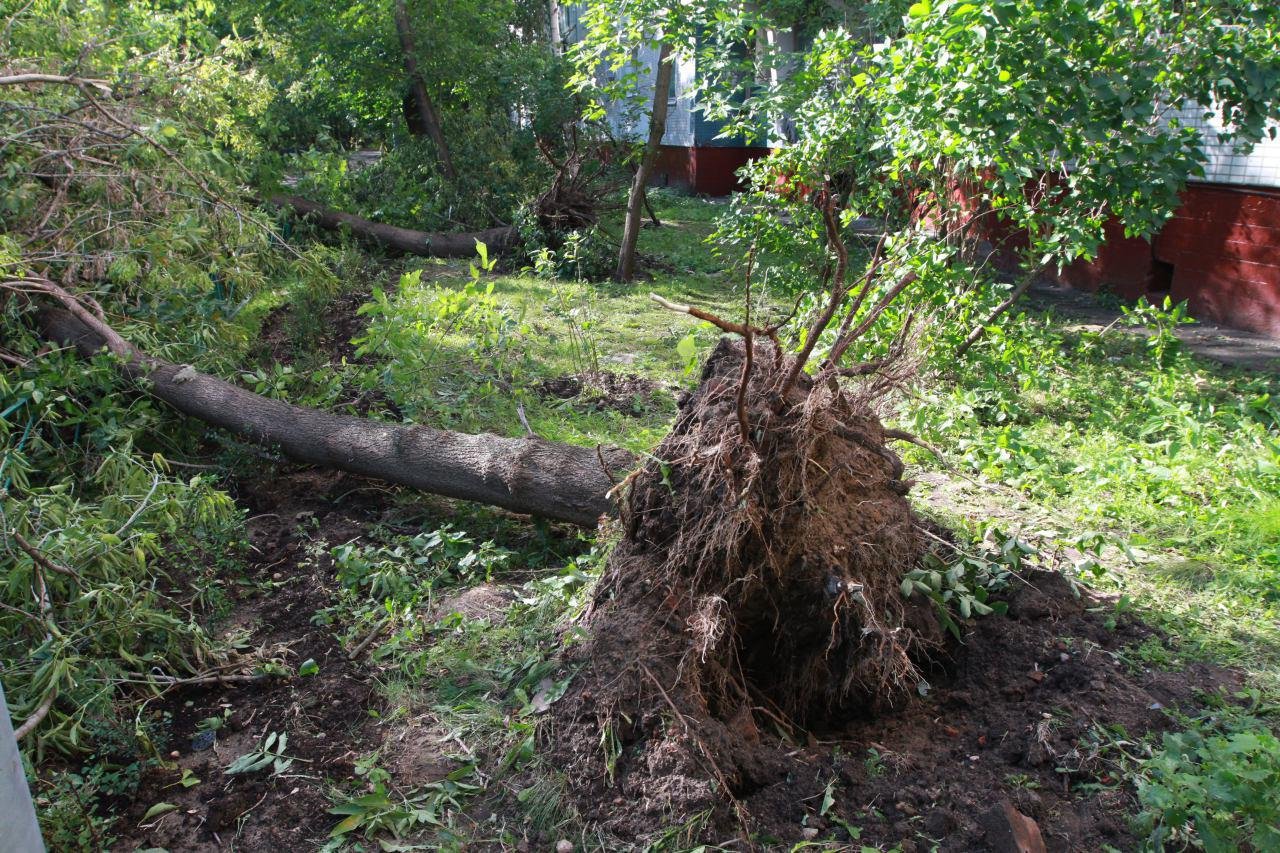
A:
1214,786
386,812
874,763
270,753
1021,781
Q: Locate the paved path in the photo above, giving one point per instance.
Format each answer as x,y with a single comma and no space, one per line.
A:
1231,347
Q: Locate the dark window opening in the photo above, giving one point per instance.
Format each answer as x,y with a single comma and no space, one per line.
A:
1160,279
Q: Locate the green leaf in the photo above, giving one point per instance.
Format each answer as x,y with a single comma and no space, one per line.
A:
687,348
309,667
346,825
348,809
828,799
157,810
919,9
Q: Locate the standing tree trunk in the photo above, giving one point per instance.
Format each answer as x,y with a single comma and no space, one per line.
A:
557,45
426,109
635,203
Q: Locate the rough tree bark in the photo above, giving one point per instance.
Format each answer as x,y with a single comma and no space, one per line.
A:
527,475
459,245
426,109
635,202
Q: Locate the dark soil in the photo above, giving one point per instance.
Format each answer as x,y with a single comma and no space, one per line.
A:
1013,715
337,325
331,339
325,716
604,391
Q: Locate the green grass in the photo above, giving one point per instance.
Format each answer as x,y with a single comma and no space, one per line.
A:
470,357
1178,463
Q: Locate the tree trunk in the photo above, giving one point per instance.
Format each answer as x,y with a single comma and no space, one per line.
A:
653,217
635,203
459,245
426,109
557,46
526,475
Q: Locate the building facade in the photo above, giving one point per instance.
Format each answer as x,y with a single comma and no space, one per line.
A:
1221,250
696,156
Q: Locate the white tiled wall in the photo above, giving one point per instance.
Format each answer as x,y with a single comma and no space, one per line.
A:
631,121
1226,165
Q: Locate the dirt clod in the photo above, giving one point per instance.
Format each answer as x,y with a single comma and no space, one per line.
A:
1010,831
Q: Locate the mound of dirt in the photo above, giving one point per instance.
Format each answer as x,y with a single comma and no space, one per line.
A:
749,653
756,586
604,391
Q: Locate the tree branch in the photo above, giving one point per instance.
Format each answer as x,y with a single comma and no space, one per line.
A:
62,79
40,559
978,331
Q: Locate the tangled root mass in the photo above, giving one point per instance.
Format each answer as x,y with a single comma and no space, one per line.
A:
756,588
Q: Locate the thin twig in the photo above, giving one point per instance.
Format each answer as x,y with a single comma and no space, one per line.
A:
827,204
40,559
693,311
79,82
978,331
172,681
34,720
658,684
367,641
747,338
843,338
155,483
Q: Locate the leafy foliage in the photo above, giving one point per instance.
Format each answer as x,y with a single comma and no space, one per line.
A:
130,197
1213,787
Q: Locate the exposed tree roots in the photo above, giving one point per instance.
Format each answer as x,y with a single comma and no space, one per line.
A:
755,589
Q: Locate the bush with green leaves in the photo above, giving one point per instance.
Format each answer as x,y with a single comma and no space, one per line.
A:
1213,788
132,202
583,254
425,324
497,172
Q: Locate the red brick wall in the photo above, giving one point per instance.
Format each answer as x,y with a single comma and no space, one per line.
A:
1220,252
1124,265
673,169
704,170
1224,247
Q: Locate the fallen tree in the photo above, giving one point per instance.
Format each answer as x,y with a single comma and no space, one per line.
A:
526,475
439,245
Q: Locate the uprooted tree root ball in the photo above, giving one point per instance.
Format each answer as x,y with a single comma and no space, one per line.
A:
756,587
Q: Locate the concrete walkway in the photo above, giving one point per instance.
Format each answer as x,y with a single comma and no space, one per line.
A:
1232,347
